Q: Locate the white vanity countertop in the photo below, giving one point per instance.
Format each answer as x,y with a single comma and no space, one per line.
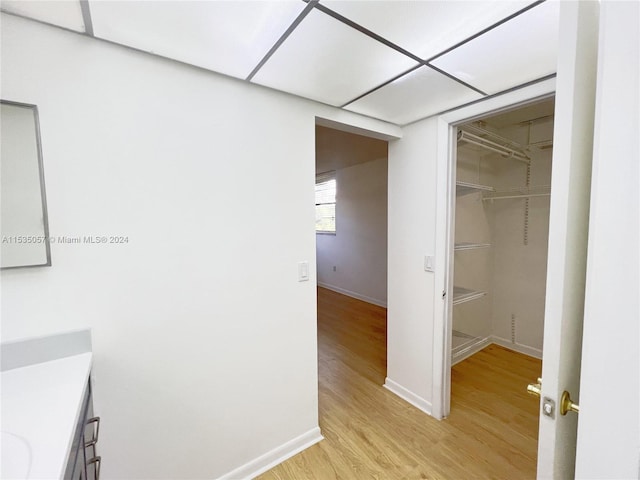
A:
41,405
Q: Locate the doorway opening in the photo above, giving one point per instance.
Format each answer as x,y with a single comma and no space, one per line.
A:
351,265
500,235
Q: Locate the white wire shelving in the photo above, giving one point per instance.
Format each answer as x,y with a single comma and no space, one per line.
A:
470,246
466,188
463,295
518,192
492,142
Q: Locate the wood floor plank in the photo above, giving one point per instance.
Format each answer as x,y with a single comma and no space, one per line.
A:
370,433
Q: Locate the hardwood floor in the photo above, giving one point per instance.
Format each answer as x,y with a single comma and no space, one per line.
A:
372,434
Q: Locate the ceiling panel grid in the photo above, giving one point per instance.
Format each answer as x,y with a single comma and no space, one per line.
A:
395,60
229,37
326,60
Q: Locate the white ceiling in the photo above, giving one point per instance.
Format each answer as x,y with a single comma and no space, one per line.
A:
513,53
227,37
395,60
418,94
63,14
326,60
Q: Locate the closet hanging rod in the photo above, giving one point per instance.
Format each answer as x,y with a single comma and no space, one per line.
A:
489,145
470,128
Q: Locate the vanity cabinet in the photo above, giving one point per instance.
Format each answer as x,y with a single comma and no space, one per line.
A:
47,408
84,462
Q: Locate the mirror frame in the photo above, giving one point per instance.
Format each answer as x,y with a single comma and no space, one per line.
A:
45,212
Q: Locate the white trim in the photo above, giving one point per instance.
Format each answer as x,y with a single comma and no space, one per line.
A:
367,126
517,347
407,395
355,295
274,457
445,196
500,103
443,281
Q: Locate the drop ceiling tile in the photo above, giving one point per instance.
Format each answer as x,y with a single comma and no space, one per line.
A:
425,28
420,94
229,37
326,60
66,13
518,51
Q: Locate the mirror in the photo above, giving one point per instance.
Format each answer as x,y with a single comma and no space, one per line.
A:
24,225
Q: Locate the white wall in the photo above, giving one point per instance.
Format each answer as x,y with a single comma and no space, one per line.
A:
412,216
519,271
204,341
358,250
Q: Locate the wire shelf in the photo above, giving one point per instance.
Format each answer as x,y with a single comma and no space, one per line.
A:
493,143
463,295
466,188
518,192
470,246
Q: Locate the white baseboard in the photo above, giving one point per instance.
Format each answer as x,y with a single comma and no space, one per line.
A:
356,295
278,455
415,400
517,347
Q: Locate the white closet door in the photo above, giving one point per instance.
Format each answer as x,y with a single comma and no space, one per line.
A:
609,423
568,232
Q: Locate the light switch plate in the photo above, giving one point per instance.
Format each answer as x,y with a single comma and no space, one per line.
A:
429,263
303,271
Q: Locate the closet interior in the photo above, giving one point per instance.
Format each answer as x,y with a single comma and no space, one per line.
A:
503,188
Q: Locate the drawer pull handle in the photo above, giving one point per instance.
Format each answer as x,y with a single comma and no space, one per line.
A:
94,440
97,462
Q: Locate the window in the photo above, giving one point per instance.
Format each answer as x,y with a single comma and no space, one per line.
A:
326,202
